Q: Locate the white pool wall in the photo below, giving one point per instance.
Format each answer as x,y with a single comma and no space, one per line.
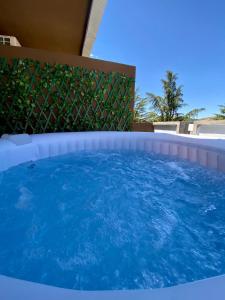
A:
208,289
206,152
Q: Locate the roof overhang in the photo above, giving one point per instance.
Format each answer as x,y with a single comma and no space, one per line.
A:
56,25
96,13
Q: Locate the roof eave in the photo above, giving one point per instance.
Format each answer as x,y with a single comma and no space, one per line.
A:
95,17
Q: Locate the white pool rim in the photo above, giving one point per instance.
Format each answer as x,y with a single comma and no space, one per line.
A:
18,149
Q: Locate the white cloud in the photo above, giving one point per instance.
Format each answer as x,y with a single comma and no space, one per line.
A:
93,55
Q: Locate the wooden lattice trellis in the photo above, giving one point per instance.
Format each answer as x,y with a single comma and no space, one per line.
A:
40,97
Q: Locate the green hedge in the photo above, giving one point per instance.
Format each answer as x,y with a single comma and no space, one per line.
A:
40,97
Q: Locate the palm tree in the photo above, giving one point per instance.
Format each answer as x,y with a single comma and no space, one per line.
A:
221,115
168,105
191,115
139,107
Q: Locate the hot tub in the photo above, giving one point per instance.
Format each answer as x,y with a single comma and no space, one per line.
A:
207,153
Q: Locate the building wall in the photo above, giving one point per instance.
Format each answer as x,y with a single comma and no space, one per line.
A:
69,59
172,126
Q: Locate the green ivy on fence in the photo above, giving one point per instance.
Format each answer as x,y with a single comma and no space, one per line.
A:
39,97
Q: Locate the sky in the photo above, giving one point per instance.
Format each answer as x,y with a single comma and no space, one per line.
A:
185,36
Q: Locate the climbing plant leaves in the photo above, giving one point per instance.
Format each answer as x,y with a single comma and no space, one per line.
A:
39,97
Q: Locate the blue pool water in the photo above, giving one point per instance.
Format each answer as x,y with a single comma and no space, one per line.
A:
116,220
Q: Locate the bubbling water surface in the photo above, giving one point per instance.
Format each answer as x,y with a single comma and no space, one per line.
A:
112,220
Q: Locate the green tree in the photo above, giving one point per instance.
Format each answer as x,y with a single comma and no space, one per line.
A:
191,115
151,116
140,107
167,106
221,115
